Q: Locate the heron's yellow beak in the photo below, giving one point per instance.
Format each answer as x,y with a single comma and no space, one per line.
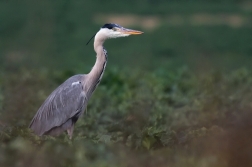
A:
130,31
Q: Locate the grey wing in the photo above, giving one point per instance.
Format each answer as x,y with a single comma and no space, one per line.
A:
67,101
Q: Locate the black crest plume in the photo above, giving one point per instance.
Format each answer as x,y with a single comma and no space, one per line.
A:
108,26
90,39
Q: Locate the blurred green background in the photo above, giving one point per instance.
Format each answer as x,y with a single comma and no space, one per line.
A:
178,95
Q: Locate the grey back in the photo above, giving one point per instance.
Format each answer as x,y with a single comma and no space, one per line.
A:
65,102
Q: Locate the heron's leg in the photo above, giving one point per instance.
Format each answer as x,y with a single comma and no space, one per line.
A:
70,131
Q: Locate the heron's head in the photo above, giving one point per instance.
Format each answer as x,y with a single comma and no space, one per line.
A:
111,30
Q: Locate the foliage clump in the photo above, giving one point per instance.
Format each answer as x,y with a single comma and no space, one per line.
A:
179,118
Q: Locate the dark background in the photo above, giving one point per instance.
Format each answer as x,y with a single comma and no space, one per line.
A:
178,95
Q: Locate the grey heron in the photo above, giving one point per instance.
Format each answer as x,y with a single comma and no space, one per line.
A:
67,103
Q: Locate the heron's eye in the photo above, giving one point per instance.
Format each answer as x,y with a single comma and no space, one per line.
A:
114,29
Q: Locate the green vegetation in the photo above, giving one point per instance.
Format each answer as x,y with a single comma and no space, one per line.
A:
174,118
179,95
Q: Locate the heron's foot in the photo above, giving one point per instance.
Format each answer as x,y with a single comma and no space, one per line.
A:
70,132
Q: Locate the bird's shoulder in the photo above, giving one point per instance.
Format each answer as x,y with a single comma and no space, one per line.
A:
65,101
69,91
79,78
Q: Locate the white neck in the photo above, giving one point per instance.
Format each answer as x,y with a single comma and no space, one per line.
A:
94,76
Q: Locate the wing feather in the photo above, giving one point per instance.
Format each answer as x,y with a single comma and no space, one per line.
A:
62,104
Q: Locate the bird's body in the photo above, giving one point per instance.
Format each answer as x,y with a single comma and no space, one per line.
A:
62,108
66,104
